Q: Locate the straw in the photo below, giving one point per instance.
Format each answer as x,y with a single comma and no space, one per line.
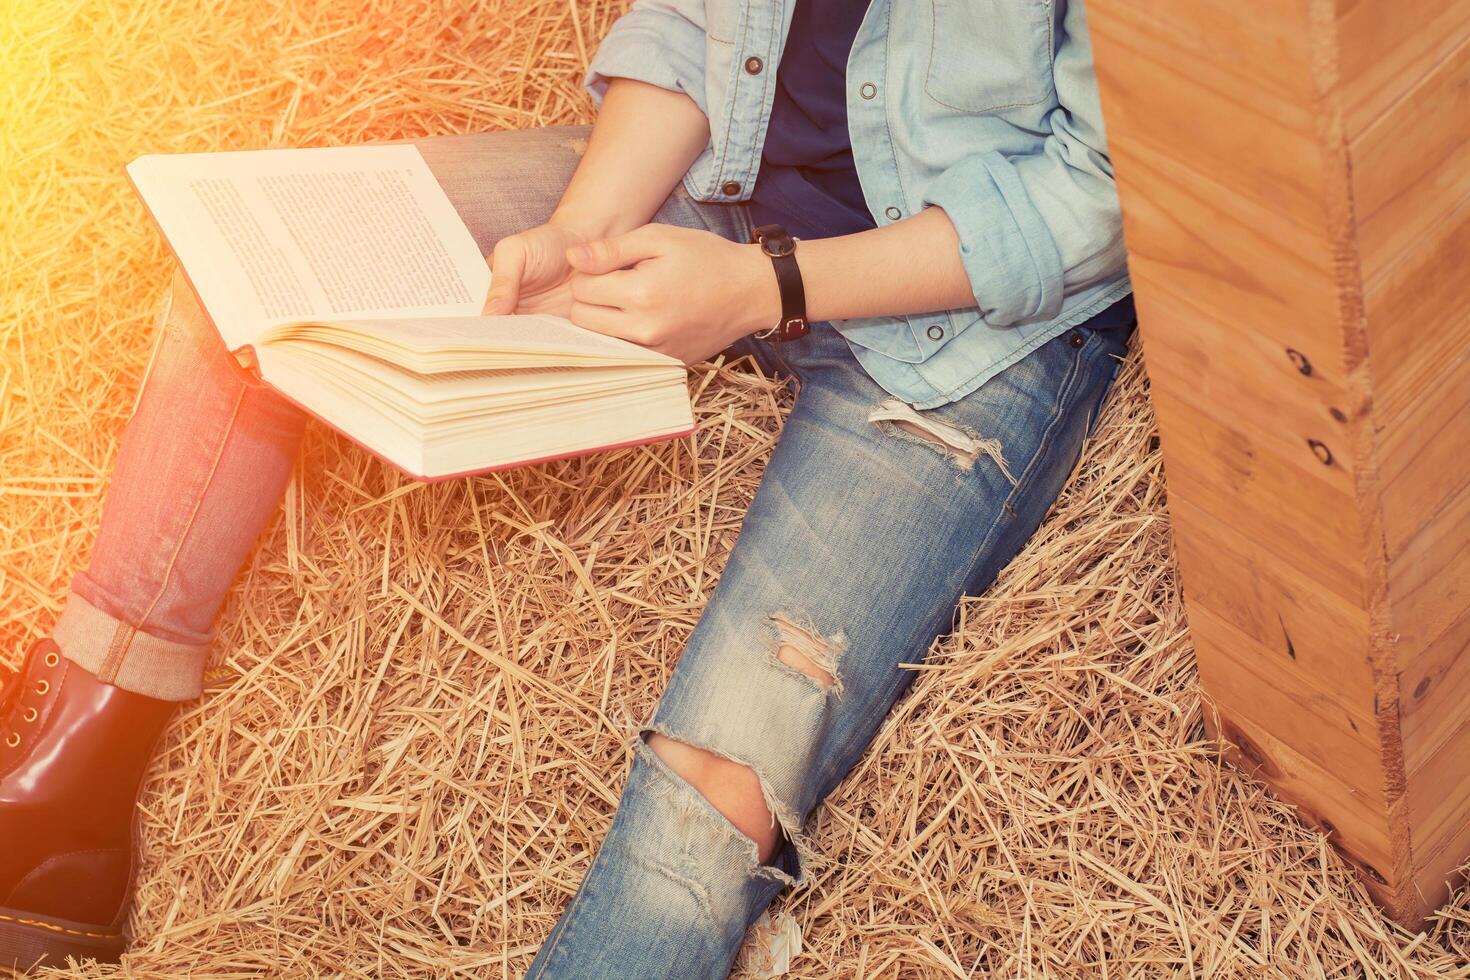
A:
416,725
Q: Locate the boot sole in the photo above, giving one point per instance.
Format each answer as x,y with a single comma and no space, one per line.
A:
28,941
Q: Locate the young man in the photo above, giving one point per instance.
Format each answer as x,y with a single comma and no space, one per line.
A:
932,193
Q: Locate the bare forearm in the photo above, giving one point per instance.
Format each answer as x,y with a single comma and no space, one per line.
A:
643,141
910,266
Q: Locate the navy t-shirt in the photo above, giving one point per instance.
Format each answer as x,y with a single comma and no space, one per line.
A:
807,180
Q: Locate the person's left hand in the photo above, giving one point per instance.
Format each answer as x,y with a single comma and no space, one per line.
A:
687,293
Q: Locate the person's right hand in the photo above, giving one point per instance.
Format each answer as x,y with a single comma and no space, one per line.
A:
529,271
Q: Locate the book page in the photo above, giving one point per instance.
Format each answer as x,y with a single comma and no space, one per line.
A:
528,332
272,236
452,343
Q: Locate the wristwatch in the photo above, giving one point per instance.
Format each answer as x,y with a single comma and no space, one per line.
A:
777,242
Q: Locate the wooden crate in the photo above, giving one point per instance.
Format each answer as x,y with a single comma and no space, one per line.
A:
1295,177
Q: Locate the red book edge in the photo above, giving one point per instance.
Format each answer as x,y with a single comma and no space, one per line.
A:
241,354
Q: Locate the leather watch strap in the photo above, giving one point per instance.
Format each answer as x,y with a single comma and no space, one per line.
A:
777,243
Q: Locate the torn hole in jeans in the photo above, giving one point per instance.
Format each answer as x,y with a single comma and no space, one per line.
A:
960,446
783,817
805,651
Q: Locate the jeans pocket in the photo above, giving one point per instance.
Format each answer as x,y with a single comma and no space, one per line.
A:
990,55
1082,346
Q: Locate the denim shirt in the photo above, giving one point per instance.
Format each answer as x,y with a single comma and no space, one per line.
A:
985,108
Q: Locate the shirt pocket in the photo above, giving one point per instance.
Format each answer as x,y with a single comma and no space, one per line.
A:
932,331
989,55
721,18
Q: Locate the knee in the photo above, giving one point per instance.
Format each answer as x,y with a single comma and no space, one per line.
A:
746,726
188,334
180,307
730,787
181,321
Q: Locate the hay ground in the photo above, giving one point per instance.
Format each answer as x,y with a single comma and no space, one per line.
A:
416,724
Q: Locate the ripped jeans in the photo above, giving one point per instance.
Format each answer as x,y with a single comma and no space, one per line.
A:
862,538
871,522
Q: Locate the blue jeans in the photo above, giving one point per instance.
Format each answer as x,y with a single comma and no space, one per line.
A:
871,522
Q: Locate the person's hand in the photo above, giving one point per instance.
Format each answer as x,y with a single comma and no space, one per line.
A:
687,293
529,271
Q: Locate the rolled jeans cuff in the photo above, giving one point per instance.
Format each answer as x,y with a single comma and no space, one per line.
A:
124,656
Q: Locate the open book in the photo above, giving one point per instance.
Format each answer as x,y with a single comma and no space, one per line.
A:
343,278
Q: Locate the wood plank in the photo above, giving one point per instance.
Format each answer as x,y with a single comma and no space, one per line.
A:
1314,194
1216,123
1438,800
1434,882
1385,47
1424,455
1409,169
1434,691
1278,397
1429,578
1231,256
1287,616
1227,34
1356,819
1266,687
1418,313
1306,523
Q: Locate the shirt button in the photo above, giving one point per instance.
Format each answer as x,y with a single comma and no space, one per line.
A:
936,332
753,65
731,188
893,213
868,90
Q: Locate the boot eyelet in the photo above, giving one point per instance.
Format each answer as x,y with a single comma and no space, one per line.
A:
52,659
31,715
13,741
43,687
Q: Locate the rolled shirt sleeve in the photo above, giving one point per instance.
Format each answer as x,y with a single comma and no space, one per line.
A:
1034,227
660,42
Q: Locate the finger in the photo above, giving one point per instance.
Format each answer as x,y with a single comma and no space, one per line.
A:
618,252
507,266
603,319
621,289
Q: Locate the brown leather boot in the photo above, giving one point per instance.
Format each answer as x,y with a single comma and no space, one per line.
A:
73,752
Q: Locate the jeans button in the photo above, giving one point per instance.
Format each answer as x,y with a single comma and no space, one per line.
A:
753,65
731,188
1076,339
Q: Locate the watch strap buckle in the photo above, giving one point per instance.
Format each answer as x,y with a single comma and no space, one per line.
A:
791,328
780,247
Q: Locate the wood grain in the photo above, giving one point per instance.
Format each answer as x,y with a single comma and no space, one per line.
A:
1412,165
1217,121
1295,179
1356,820
1386,46
1434,684
1419,309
